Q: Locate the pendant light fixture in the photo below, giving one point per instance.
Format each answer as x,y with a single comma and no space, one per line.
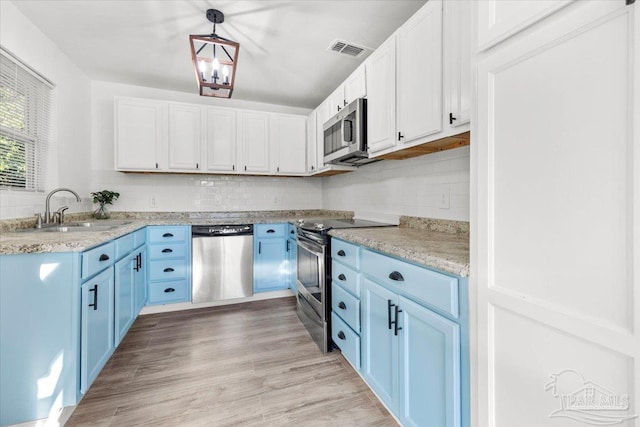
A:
214,60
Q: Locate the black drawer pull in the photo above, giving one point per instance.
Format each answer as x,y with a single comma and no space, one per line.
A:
292,232
342,277
341,335
167,235
396,276
103,257
342,305
95,297
341,253
169,290
168,270
167,251
271,230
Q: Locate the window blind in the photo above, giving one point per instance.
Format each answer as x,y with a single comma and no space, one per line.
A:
25,109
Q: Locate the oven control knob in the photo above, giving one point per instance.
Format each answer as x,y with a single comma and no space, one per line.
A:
319,226
301,221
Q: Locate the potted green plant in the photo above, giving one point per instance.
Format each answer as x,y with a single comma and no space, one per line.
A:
104,197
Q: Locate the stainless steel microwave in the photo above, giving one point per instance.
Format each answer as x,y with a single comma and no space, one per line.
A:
345,136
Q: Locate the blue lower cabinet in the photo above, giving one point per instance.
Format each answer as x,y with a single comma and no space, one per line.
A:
97,326
429,368
125,302
39,327
139,280
270,258
379,343
168,266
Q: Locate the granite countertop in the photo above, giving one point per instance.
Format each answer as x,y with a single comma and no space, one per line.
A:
14,241
442,248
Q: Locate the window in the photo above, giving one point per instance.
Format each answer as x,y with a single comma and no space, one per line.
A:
25,106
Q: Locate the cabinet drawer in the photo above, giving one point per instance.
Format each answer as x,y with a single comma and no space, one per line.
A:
346,253
170,250
429,287
346,277
97,259
164,292
168,269
347,341
168,234
346,306
124,245
270,230
139,237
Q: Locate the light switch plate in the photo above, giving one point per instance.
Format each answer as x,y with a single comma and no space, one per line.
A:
443,196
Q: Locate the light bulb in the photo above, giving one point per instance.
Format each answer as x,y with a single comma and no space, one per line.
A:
216,64
202,66
225,75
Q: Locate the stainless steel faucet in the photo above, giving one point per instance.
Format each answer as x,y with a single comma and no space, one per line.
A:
47,211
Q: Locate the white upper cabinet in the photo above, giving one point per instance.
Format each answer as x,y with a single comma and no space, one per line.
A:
185,137
419,75
140,129
288,140
312,151
220,146
254,137
457,54
381,97
335,101
356,85
500,19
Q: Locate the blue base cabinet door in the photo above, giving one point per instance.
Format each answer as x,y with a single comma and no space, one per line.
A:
270,258
139,280
379,344
429,368
125,310
96,342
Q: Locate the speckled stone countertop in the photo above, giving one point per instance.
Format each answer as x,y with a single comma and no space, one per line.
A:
439,244
15,241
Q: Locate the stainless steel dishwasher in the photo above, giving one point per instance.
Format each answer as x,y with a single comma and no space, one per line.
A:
222,262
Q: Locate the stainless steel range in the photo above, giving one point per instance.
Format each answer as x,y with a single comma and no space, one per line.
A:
314,274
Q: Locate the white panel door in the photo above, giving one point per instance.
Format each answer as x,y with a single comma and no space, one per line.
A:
288,140
220,139
312,150
500,19
419,71
140,129
336,101
457,62
185,137
356,85
254,152
555,242
381,97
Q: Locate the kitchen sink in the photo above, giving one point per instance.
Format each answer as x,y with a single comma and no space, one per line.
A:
78,227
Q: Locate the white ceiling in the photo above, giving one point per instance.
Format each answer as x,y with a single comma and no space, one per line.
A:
283,57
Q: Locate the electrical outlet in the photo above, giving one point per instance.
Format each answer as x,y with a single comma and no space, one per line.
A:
152,201
277,200
217,199
443,196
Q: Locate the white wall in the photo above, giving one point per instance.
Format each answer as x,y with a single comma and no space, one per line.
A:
69,155
404,187
170,192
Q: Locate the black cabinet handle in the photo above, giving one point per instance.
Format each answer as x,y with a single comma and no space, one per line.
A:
156,166
169,290
341,253
396,276
233,167
400,136
168,270
167,251
167,235
341,335
342,277
389,305
342,305
395,322
95,297
451,118
197,166
271,230
259,247
245,168
288,245
136,266
103,257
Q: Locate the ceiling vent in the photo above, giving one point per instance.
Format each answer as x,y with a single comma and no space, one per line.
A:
349,49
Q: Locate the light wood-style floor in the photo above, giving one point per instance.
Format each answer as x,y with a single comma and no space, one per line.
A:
250,364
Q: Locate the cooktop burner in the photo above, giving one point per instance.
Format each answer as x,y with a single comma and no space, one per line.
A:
324,225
